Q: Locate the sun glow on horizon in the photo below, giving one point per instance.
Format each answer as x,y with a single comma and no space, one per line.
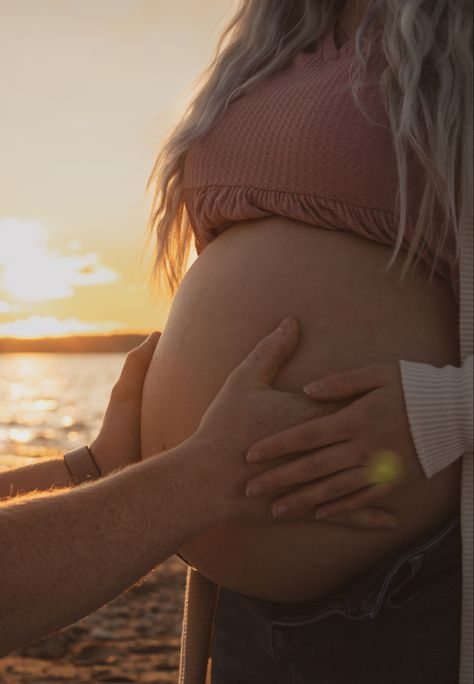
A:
37,327
51,292
31,271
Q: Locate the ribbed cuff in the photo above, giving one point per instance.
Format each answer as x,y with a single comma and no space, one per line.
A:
439,407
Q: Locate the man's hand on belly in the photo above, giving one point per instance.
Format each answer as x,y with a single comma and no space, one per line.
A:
353,457
246,409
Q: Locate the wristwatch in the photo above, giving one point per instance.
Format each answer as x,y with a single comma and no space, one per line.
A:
81,464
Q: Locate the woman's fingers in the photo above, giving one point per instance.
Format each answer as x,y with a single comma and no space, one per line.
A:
323,491
130,384
312,434
349,383
139,358
353,501
311,466
368,518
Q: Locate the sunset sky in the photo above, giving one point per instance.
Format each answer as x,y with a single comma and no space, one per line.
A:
89,89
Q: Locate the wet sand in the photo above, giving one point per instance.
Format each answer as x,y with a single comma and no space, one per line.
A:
135,638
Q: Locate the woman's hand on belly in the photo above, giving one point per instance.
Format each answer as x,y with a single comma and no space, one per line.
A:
356,455
118,443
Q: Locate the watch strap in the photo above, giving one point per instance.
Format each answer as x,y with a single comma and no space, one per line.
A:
81,464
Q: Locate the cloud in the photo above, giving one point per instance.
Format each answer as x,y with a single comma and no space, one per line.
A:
49,326
5,307
31,271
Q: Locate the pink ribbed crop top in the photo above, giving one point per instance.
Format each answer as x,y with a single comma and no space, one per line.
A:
296,145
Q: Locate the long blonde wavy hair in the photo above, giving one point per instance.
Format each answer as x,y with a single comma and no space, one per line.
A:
427,91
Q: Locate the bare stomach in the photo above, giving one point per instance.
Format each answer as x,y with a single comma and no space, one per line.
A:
351,314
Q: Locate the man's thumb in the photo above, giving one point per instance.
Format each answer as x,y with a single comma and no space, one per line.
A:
266,359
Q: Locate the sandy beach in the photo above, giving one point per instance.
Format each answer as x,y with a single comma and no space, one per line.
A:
135,638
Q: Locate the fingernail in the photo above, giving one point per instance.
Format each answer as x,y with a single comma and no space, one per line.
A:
254,456
287,325
279,510
320,515
253,490
313,387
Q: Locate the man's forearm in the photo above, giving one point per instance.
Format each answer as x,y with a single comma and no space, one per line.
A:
46,474
67,553
41,476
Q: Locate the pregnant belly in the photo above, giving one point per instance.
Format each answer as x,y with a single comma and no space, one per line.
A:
351,314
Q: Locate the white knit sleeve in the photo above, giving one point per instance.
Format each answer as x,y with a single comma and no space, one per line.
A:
440,412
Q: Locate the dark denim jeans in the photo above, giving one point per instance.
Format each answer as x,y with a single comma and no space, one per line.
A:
399,625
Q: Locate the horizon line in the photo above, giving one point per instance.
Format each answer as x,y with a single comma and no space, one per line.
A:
84,335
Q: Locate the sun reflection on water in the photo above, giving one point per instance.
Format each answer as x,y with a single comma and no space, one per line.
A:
52,402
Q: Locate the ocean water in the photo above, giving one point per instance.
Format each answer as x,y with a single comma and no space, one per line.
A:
52,402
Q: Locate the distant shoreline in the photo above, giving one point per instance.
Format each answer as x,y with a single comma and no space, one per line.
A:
100,344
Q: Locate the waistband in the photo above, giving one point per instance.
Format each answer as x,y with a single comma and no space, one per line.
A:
363,598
